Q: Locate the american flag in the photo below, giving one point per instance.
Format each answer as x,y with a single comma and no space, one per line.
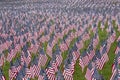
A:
76,55
63,47
115,64
89,72
67,74
95,40
22,59
41,75
2,78
118,39
50,73
59,76
1,75
27,57
118,48
42,58
91,52
81,63
71,66
10,56
32,70
34,47
54,66
96,75
113,37
80,44
28,73
36,67
118,57
85,58
86,36
12,72
75,52
113,74
98,59
59,59
104,59
49,50
67,41
1,59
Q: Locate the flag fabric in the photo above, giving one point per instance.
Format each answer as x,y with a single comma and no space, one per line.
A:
80,44
59,76
67,74
113,74
96,75
63,46
85,58
118,48
49,50
32,71
81,63
50,73
17,28
90,52
1,60
89,72
1,75
27,57
28,73
59,59
42,58
12,72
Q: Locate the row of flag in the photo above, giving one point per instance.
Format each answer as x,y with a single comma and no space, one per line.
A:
24,35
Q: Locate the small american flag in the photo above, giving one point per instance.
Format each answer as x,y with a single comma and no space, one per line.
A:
28,73
118,48
32,71
67,74
12,72
81,63
113,74
42,60
89,72
85,58
50,73
49,50
1,59
59,59
63,47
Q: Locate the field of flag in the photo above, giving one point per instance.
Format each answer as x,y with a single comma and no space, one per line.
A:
55,44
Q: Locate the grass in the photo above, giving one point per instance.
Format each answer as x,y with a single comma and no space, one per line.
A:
34,78
5,69
107,70
78,74
64,55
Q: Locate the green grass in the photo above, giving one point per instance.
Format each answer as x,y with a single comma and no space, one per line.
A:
16,57
5,69
64,55
78,74
34,78
107,70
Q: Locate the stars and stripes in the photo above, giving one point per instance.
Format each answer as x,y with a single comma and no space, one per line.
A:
55,27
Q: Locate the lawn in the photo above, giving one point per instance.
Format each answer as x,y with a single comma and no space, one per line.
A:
78,74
